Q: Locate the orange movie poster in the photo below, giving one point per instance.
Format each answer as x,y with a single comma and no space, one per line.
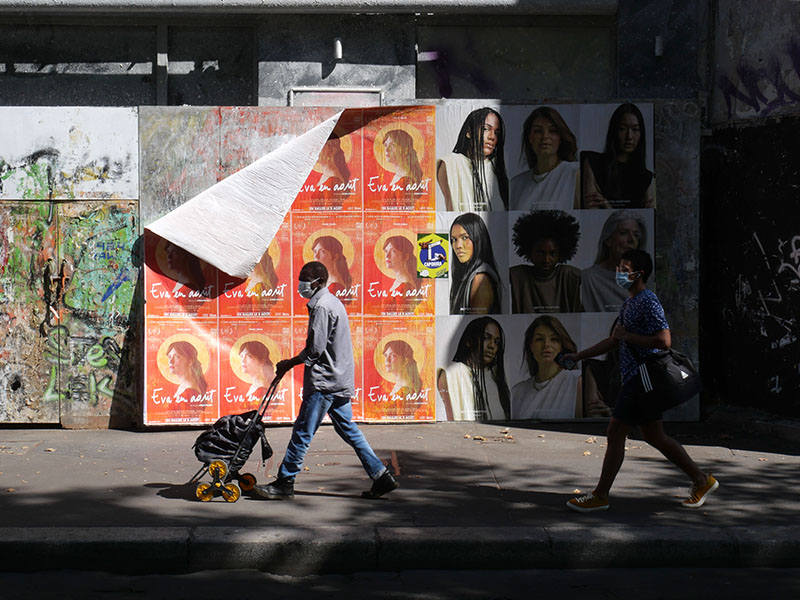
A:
399,158
177,283
249,350
300,329
391,285
268,290
181,372
398,374
336,242
335,182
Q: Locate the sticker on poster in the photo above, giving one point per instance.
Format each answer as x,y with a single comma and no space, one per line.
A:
432,253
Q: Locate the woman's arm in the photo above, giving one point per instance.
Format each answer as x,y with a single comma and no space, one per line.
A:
603,347
441,178
592,197
481,294
444,393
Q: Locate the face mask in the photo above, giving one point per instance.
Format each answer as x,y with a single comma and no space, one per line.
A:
305,289
623,281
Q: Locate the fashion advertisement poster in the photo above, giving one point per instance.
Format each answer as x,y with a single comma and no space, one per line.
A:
470,244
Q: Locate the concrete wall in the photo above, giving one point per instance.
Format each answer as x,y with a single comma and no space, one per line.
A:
749,227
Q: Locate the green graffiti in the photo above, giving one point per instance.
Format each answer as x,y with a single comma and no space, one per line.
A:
96,356
54,349
51,394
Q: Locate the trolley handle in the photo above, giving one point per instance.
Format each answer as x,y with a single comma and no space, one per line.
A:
269,395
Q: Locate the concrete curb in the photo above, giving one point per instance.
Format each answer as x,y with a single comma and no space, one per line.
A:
346,549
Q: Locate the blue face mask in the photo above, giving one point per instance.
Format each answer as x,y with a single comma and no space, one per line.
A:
305,289
623,280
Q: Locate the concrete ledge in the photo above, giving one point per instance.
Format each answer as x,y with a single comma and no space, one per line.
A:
344,549
532,7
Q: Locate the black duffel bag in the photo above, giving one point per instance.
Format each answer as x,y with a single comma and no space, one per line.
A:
668,378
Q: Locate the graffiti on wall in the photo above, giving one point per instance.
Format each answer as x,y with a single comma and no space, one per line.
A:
67,273
66,153
759,87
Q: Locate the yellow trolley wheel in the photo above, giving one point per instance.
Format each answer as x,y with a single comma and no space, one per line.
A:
204,492
218,468
231,492
247,482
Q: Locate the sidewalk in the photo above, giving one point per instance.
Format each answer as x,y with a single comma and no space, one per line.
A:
472,496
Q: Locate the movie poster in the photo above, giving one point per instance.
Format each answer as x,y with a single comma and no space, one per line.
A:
249,350
181,371
399,161
177,283
336,242
269,288
335,182
392,286
398,379
298,338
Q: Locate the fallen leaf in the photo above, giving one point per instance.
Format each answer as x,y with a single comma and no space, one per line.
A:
509,437
467,436
10,490
591,440
576,491
587,453
479,438
636,447
49,449
419,437
506,430
541,435
306,469
763,459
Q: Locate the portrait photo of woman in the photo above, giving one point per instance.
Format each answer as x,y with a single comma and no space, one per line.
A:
473,176
551,392
546,239
550,148
623,230
618,177
330,252
401,158
332,166
183,267
474,387
185,367
401,261
475,286
401,366
257,368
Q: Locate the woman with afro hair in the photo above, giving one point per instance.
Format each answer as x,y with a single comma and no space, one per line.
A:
546,239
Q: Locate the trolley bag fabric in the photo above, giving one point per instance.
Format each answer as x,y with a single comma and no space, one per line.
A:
230,434
668,378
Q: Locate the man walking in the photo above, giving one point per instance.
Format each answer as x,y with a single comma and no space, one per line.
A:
328,385
642,329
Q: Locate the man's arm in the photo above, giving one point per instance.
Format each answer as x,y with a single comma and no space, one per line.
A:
316,342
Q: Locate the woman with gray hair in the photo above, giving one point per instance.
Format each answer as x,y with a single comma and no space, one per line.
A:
623,230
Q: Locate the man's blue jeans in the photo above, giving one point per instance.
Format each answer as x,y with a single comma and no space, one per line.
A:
312,411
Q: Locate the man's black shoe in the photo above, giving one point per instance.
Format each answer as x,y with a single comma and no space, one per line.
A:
280,489
382,485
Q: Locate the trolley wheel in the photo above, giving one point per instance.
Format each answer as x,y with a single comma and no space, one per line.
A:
231,492
247,482
204,492
218,468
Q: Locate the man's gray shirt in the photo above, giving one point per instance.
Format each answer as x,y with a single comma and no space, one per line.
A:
328,355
